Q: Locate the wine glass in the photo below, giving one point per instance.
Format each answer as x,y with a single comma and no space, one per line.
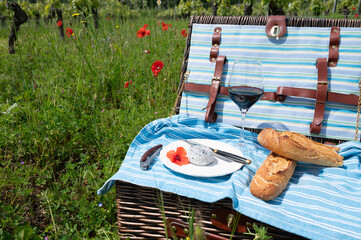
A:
245,88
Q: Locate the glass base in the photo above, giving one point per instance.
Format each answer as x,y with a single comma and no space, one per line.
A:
242,146
246,147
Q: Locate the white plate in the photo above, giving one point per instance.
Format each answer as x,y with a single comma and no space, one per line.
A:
219,167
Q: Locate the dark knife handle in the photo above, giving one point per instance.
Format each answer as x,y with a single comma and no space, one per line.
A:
150,152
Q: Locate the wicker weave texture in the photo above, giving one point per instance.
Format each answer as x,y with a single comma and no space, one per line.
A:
292,22
139,213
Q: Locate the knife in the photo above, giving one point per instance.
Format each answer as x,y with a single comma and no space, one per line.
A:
149,155
222,153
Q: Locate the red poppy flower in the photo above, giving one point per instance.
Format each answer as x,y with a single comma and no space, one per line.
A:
69,32
184,34
157,67
107,18
59,23
142,32
145,25
356,15
126,85
165,27
178,157
353,8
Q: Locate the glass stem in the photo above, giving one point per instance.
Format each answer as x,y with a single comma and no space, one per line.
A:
243,115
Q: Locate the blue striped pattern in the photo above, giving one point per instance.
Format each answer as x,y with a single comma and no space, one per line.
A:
319,202
291,62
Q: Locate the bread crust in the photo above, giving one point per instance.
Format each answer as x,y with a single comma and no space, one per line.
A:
300,148
272,177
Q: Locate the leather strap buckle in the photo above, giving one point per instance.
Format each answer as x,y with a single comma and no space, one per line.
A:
322,82
321,96
211,116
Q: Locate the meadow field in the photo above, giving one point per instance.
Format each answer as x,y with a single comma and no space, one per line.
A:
69,109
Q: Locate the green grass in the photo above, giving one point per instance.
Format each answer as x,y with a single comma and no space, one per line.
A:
66,119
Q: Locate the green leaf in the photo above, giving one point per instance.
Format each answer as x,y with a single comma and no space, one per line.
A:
25,233
4,235
260,232
118,49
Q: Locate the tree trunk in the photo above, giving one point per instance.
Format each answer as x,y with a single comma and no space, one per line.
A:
334,6
84,15
96,17
2,21
214,8
20,17
248,9
273,9
59,17
346,12
37,19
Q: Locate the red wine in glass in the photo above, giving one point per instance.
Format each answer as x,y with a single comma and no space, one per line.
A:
245,96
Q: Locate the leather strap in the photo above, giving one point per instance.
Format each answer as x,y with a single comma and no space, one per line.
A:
194,87
296,92
333,49
321,96
225,219
216,41
211,116
273,96
282,93
350,99
276,21
178,228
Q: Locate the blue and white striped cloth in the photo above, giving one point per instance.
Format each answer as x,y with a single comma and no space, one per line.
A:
289,61
318,203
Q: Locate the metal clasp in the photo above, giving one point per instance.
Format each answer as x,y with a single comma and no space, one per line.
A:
216,79
322,82
275,31
230,219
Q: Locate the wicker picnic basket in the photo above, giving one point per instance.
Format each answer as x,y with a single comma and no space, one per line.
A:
143,212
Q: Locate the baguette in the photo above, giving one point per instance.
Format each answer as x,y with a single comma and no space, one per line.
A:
300,148
272,177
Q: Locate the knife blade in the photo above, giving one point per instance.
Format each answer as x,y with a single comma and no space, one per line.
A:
149,155
222,153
